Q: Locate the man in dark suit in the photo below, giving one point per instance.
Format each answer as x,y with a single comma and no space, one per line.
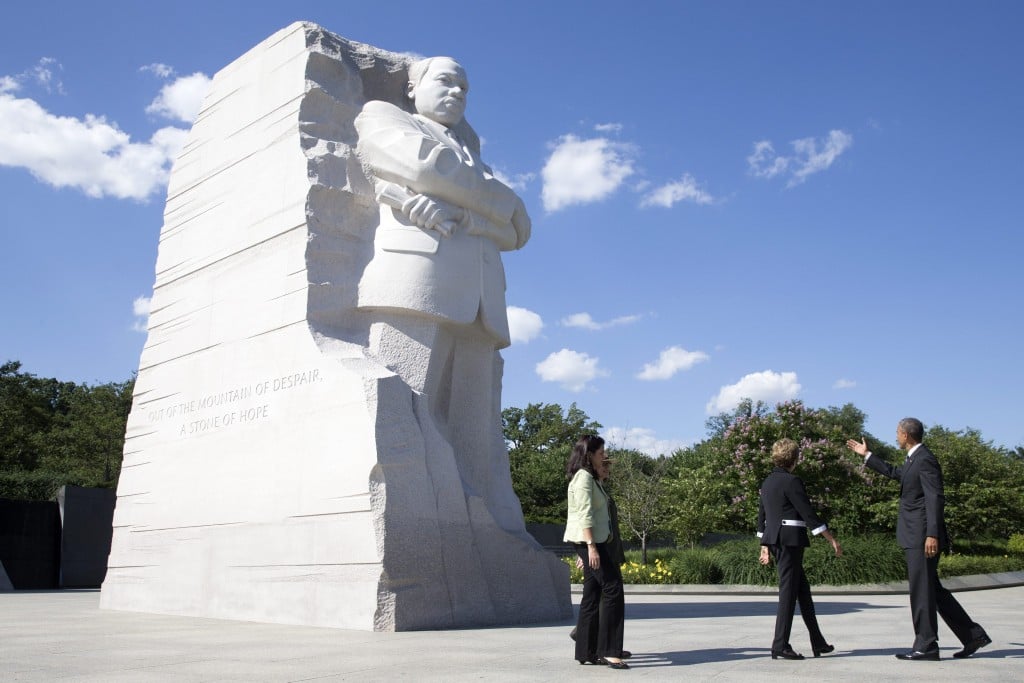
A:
783,518
921,532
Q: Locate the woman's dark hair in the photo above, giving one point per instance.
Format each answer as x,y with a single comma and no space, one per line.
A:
581,452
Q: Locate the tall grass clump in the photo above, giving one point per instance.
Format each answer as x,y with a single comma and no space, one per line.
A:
965,565
696,565
865,559
737,561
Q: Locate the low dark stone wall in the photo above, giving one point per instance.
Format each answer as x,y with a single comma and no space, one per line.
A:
550,536
30,543
88,515
57,544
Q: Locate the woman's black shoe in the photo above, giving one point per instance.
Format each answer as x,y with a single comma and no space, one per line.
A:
613,665
818,651
592,660
787,654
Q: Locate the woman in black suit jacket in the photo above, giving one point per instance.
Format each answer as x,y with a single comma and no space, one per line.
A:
783,517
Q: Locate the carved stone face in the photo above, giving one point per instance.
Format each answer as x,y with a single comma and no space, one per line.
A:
441,94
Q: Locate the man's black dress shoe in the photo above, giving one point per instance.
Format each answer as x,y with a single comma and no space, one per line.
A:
819,651
917,655
787,654
973,646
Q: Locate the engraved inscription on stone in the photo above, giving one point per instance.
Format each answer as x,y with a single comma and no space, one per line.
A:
225,408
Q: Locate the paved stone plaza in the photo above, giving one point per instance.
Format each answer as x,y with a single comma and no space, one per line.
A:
676,633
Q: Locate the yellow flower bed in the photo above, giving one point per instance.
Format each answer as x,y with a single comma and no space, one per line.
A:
632,572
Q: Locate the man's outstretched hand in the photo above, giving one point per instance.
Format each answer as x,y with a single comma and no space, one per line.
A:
858,447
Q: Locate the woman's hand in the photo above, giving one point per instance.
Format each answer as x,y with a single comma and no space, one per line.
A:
765,558
593,557
832,540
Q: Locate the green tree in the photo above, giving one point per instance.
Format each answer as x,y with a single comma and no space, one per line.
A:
984,485
28,406
697,503
54,433
637,484
86,442
723,474
540,438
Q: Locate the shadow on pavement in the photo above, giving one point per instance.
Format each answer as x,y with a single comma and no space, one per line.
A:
642,660
677,610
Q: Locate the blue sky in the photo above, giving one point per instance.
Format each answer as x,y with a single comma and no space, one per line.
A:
811,200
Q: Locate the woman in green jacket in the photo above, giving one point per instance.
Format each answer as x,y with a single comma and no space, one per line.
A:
588,528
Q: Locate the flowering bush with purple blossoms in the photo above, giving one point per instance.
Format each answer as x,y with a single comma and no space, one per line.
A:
844,493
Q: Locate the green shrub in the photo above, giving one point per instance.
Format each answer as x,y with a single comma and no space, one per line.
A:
575,575
1016,544
965,565
867,559
35,485
737,561
695,566
874,558
979,546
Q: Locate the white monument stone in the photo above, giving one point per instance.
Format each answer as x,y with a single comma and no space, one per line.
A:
316,434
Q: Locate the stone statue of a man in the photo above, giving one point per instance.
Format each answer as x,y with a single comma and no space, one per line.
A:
436,283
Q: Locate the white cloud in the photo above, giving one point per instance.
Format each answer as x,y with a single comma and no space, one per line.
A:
608,127
43,74
181,99
811,160
140,309
92,154
641,439
764,163
571,369
583,171
810,156
843,383
685,189
161,70
89,154
518,181
523,324
586,322
767,386
670,361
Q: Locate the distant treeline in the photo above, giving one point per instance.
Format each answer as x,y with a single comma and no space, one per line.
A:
54,433
712,486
